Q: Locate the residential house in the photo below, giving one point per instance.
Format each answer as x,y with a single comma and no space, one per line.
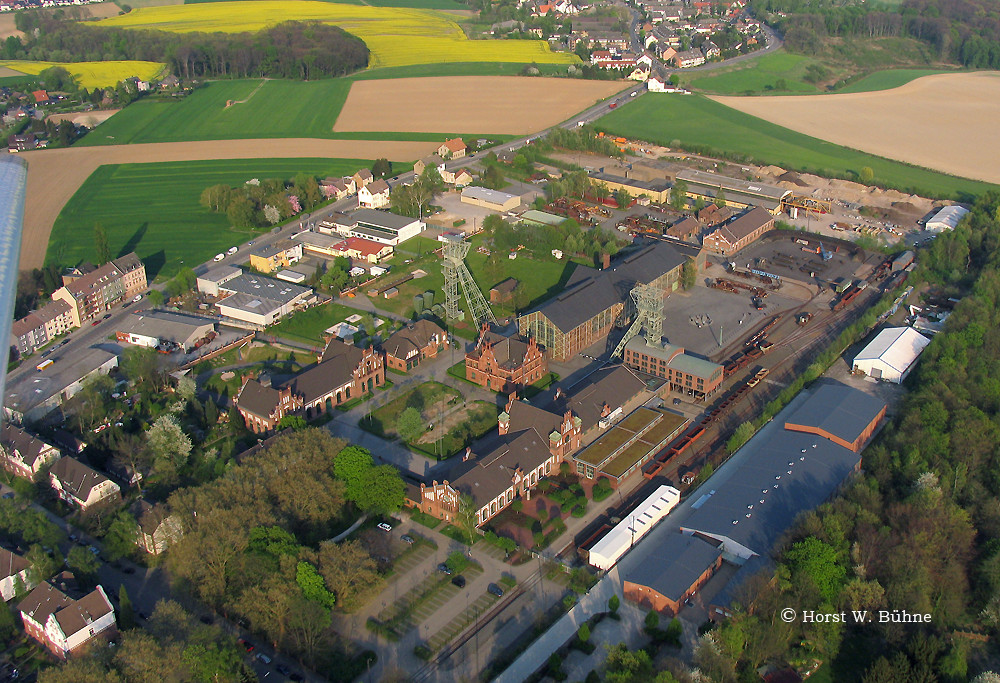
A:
452,149
81,486
97,291
459,177
361,178
343,373
25,455
13,568
689,58
133,274
64,625
271,257
361,249
158,529
21,143
374,195
407,347
433,160
334,188
505,364
40,327
710,49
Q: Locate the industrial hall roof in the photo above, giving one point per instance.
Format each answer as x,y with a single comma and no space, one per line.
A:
589,291
839,410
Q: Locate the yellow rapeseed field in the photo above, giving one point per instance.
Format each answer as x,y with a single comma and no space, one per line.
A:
396,36
92,74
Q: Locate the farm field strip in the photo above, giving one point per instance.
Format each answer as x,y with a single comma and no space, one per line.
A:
870,121
396,36
492,103
703,124
55,175
91,74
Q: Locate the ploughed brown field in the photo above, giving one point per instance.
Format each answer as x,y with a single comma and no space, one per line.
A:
472,104
946,122
54,175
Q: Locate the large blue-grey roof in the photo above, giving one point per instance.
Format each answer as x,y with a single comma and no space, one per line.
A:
839,410
791,473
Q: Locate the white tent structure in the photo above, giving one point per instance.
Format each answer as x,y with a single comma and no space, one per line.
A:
607,551
946,219
891,354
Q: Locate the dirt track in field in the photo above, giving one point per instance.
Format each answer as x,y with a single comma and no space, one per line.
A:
54,175
511,105
945,122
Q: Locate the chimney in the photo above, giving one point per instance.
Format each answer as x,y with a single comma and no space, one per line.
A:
605,261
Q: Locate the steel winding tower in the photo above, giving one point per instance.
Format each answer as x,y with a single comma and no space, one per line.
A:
457,274
649,314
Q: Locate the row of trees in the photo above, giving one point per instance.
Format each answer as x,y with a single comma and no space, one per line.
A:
293,49
259,203
920,530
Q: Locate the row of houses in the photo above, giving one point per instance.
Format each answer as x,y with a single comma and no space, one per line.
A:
87,293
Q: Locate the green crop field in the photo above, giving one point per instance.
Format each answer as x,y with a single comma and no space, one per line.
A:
760,75
273,109
888,79
702,125
154,210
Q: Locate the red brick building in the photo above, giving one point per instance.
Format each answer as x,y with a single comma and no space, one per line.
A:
408,346
692,562
505,364
343,373
685,374
739,233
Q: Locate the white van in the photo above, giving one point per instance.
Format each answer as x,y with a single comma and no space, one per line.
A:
232,250
219,257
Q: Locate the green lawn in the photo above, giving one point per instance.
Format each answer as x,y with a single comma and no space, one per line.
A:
153,209
705,126
429,398
308,326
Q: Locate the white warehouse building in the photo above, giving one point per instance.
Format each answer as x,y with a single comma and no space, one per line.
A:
892,354
946,219
607,551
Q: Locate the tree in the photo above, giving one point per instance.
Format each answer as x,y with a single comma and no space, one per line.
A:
82,561
689,274
123,532
186,388
155,298
351,464
381,490
720,198
292,422
819,564
622,198
308,626
583,633
312,586
614,602
169,446
466,517
349,572
409,424
140,365
866,175
126,614
101,245
381,168
43,565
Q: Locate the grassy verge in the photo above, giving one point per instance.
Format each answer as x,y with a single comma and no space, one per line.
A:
698,124
308,326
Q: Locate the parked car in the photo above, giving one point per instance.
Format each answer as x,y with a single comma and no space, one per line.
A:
444,568
261,657
384,526
232,250
106,316
495,590
137,298
283,670
94,550
247,645
407,539
219,257
459,581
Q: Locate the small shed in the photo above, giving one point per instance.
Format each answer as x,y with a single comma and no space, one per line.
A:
503,291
